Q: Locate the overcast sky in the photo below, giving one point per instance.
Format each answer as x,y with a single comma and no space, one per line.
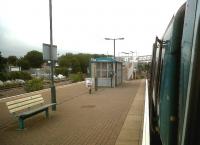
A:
82,25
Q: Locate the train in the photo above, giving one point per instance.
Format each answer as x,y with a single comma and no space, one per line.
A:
174,80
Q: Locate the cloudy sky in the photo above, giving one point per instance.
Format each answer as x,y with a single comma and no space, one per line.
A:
82,25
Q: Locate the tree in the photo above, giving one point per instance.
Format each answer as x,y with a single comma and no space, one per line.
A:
78,62
34,58
23,63
12,60
143,66
70,61
75,65
3,62
64,61
84,60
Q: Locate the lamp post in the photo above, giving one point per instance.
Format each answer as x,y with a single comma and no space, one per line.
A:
114,67
134,52
135,68
114,39
53,89
128,55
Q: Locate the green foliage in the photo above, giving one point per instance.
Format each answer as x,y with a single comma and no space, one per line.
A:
23,63
11,85
78,62
34,58
12,60
3,62
75,65
34,85
76,77
4,76
140,77
70,61
14,75
61,70
84,60
20,75
99,55
143,67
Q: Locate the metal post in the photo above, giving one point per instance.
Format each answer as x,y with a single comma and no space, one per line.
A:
114,49
90,90
21,123
96,84
53,90
114,65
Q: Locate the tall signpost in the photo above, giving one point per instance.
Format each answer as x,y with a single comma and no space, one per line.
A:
53,89
50,54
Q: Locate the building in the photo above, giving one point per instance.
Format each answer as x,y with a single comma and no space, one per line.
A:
106,71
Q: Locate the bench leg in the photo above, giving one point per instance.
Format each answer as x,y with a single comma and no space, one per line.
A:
21,123
47,113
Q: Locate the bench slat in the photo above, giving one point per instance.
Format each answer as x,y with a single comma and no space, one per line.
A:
22,99
25,106
36,109
16,105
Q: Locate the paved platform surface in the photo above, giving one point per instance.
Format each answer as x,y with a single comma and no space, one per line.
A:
81,118
131,132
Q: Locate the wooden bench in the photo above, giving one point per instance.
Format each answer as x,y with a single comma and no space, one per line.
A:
26,107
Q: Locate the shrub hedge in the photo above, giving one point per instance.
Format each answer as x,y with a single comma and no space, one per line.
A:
33,85
15,75
76,77
8,86
62,70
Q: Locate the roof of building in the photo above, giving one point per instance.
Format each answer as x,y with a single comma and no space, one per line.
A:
104,59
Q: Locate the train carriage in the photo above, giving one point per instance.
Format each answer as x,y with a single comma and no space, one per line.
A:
174,81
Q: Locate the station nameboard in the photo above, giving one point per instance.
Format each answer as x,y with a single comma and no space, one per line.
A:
47,52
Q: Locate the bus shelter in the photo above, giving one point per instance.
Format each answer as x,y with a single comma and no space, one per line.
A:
106,71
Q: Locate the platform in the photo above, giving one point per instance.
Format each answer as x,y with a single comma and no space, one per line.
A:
107,117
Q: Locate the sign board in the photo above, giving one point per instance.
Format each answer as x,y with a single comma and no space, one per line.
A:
47,52
89,82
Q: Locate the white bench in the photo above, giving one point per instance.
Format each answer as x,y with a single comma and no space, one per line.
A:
26,107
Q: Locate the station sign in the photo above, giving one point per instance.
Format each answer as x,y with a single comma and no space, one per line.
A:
89,82
49,54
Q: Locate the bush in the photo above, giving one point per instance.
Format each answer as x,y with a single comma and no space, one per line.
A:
9,85
4,76
34,85
62,70
76,77
14,75
20,75
140,77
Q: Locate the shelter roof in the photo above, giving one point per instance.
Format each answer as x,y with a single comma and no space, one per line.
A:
104,59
